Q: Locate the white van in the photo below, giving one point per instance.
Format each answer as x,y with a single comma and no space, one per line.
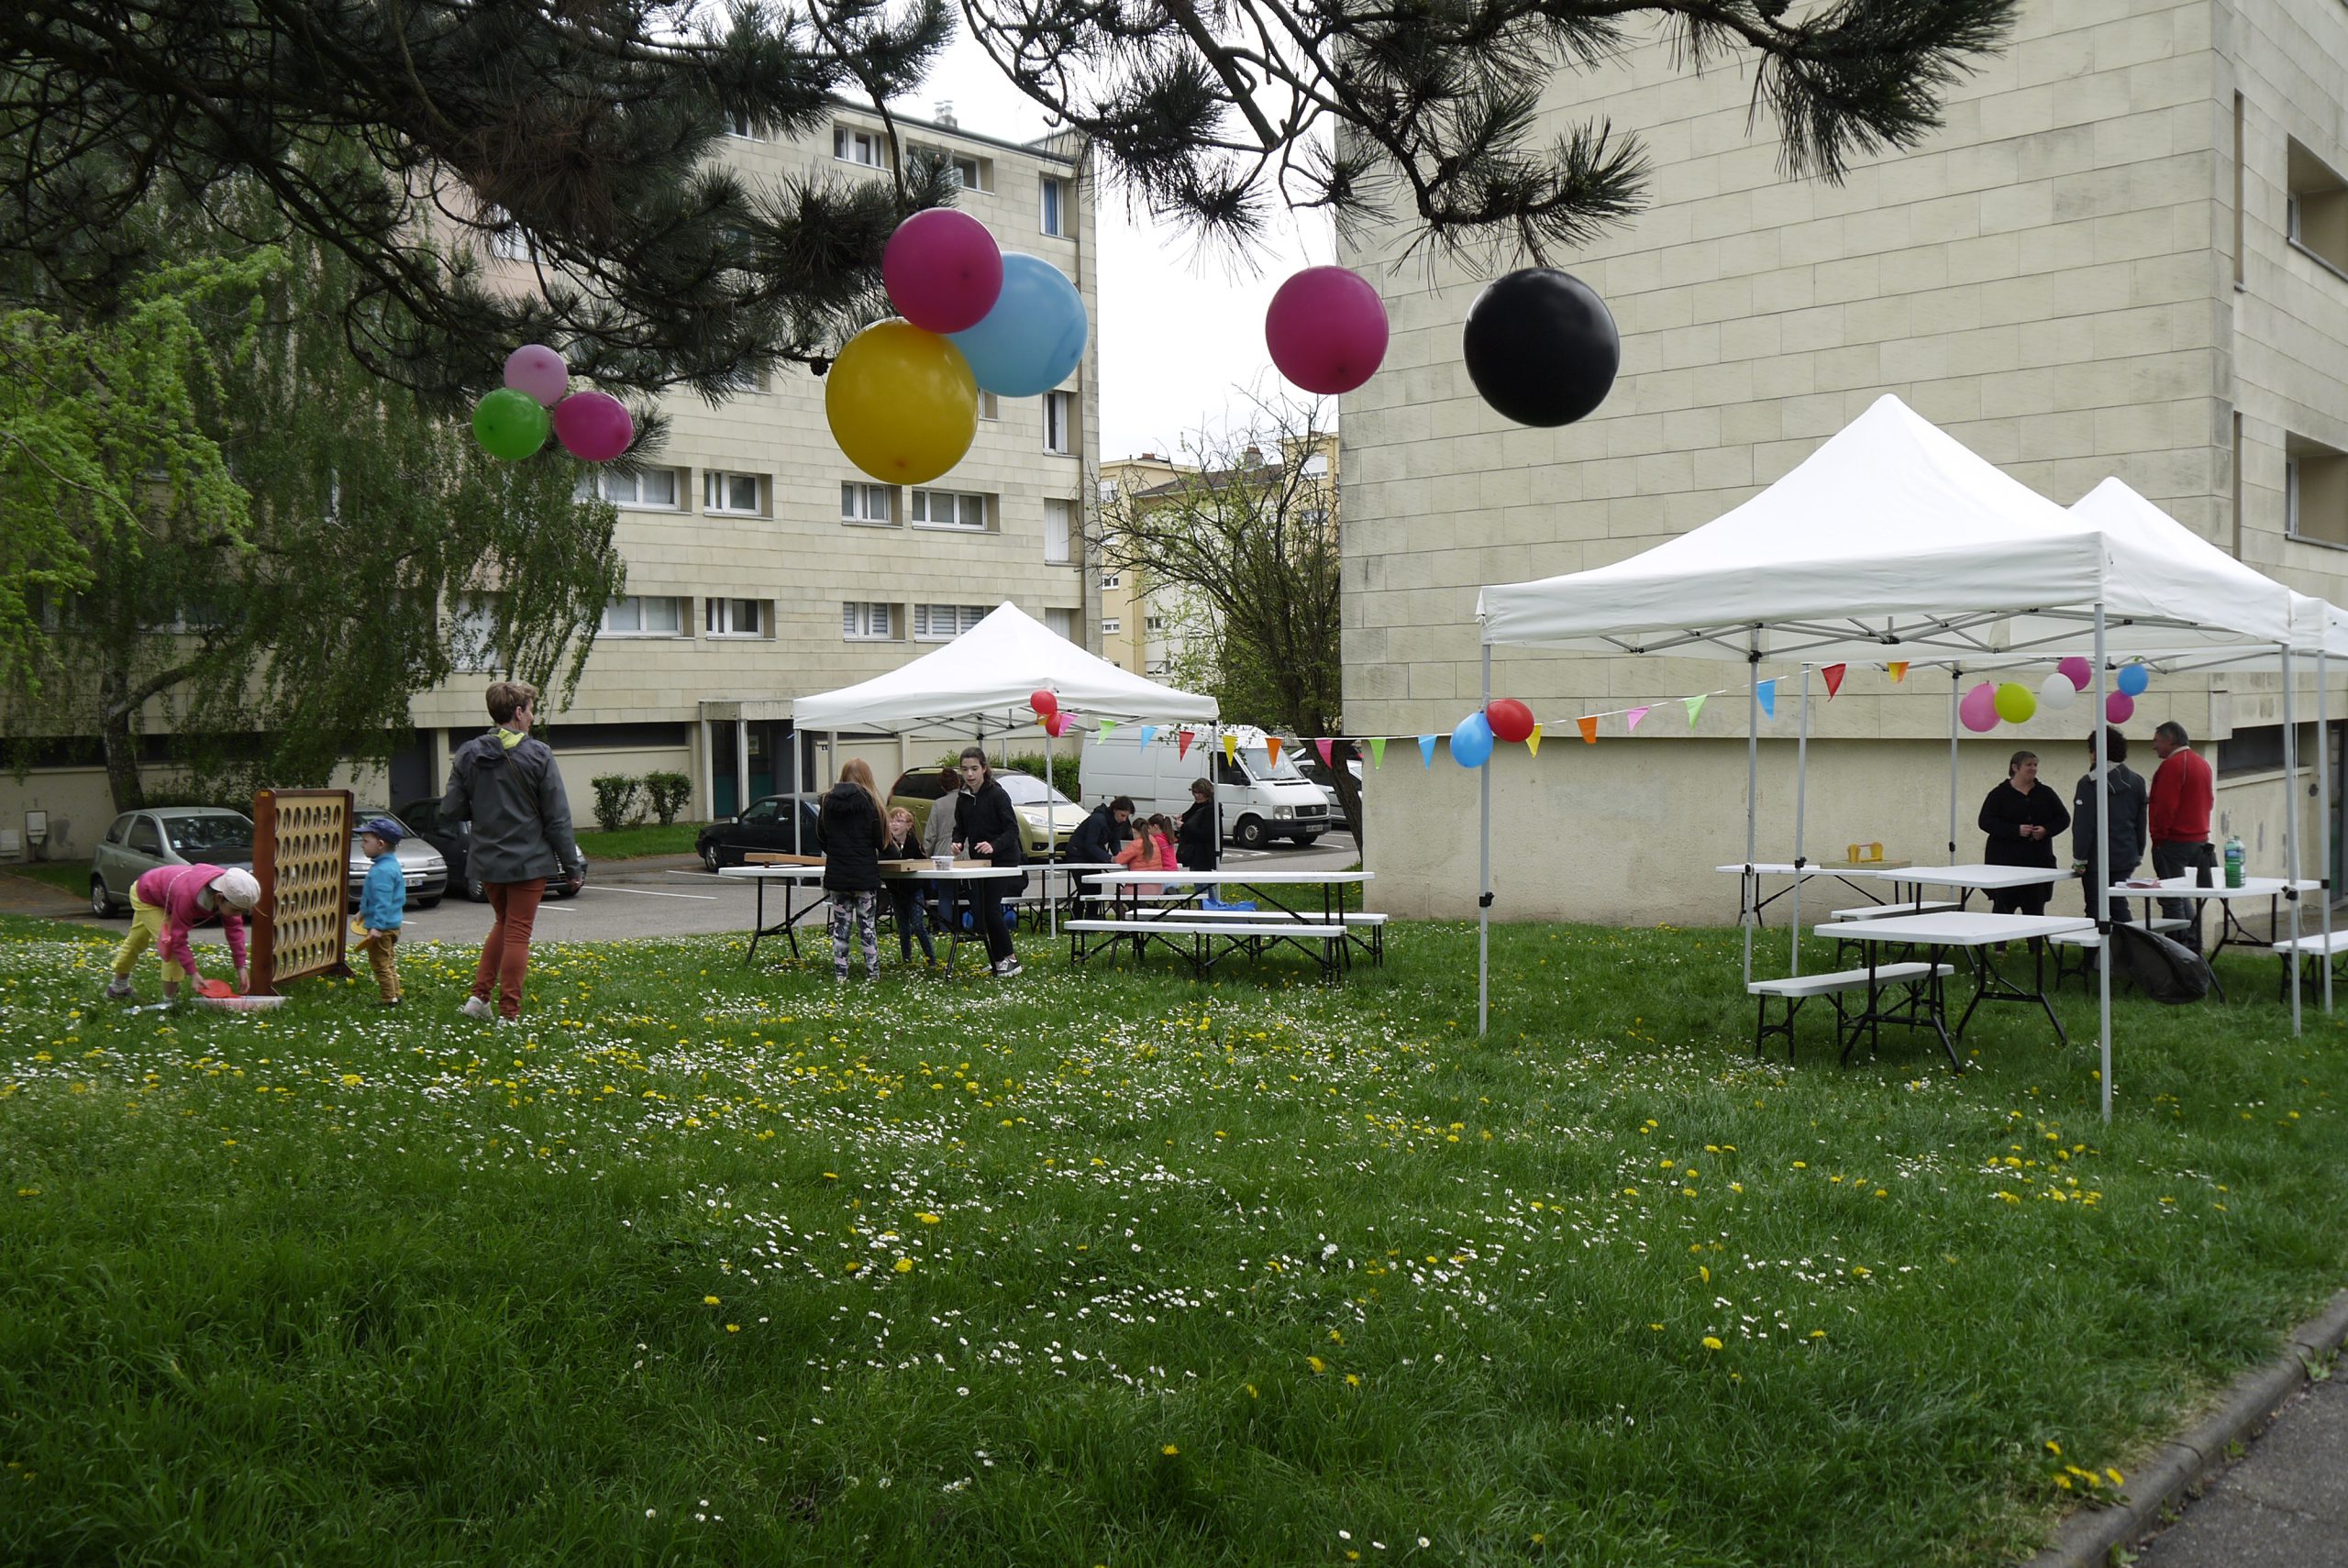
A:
1258,801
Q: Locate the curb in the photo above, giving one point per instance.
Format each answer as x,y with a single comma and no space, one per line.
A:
2088,1537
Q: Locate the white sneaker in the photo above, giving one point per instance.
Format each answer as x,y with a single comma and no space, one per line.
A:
118,989
1008,967
477,1009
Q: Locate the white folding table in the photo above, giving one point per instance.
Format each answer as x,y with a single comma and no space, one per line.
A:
792,877
2230,931
1120,885
1975,934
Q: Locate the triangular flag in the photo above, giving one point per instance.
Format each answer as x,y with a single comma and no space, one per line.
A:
1182,740
1106,725
1587,724
1378,751
1328,750
1148,734
1426,750
1631,719
1768,692
1834,674
1695,706
1899,670
1532,741
1272,749
1231,748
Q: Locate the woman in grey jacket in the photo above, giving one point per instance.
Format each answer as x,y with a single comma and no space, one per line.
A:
507,786
2127,833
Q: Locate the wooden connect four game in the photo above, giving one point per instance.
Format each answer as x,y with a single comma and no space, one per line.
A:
302,860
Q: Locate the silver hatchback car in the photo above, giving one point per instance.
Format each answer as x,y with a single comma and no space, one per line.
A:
421,866
137,841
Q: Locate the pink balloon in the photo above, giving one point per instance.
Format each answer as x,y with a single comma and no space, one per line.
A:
539,371
2079,671
1326,329
593,425
2120,707
943,270
1978,711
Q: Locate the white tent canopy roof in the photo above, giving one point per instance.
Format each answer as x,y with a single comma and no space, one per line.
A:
982,680
1894,541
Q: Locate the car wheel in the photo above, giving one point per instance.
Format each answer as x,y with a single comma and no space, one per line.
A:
475,891
709,859
1248,834
431,903
102,903
1308,841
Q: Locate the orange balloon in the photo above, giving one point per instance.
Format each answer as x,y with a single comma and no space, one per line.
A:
900,403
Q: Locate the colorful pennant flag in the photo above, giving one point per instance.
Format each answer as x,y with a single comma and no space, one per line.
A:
1327,749
1148,734
1899,670
1183,741
1834,674
1631,719
1231,748
1378,751
1426,750
1532,741
1695,706
1768,692
1587,724
1272,749
1106,725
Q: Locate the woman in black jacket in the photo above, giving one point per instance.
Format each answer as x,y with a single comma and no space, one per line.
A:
1201,840
985,826
851,827
2022,817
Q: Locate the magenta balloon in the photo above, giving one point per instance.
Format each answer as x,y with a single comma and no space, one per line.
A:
1978,711
1326,329
2080,672
943,270
2120,707
539,371
593,425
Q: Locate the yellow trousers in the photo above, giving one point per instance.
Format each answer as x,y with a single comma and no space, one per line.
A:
146,930
383,956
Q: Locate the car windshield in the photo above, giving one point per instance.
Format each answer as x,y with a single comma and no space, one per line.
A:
214,830
1026,789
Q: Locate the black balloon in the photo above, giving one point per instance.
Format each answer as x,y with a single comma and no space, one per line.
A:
1541,346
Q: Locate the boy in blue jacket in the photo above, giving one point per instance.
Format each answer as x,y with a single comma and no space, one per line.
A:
382,904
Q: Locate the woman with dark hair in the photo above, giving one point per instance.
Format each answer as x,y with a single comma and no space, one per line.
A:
2022,817
2125,819
1201,836
986,826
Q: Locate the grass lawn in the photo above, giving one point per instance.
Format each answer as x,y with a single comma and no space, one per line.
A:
70,876
712,1266
634,843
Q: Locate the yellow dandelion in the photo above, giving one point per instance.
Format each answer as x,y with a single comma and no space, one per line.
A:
1316,1364
733,1328
904,1266
1169,1450
708,1300
1712,1342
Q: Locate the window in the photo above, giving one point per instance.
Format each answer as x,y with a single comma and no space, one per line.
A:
1059,420
1060,624
653,488
850,145
1111,626
948,509
874,503
2315,493
739,125
635,616
1055,200
736,618
1109,579
944,623
976,173
1060,530
1314,466
145,838
867,623
989,406
2316,212
472,634
508,240
723,492
1153,622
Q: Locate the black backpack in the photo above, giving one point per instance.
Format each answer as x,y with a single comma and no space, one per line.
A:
2164,970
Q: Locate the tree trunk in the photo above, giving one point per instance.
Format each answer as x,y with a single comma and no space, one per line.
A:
1341,774
121,744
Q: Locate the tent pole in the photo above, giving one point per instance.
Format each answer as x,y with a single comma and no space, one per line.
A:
2291,830
1748,913
2102,860
1956,679
1484,893
1801,798
2323,813
1051,840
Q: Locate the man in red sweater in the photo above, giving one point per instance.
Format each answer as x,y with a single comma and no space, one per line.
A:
2183,789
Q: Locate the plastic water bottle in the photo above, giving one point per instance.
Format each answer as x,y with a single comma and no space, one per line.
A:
2234,860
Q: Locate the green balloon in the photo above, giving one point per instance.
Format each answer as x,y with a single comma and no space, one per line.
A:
511,425
2016,703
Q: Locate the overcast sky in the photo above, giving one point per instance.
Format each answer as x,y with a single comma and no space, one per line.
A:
1181,334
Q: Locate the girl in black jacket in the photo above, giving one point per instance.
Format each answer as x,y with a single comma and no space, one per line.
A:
985,824
1201,840
851,827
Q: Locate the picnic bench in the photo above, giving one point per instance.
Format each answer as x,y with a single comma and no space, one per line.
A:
1203,938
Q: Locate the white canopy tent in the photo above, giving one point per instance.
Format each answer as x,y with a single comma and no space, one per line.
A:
979,684
1891,541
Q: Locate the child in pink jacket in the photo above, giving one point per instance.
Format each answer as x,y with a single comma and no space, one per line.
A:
169,901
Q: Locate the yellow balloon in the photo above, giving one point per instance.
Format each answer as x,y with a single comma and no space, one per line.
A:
900,403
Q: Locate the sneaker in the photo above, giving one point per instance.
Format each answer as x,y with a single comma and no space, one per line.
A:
118,990
1008,967
476,1008
387,1002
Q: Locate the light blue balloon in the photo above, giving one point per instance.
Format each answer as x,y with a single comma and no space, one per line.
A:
1471,743
1033,337
2133,679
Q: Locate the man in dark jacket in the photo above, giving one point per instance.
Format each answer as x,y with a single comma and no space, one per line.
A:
1201,838
2125,833
507,786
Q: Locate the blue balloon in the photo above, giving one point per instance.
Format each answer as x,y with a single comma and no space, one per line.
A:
1033,337
2133,679
1471,743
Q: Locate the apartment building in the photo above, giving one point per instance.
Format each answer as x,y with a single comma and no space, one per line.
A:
761,565
2126,252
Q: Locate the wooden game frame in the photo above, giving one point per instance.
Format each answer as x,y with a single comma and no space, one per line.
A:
302,860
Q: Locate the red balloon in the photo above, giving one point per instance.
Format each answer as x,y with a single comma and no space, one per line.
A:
593,425
1511,720
943,271
2119,707
1044,701
1054,724
1326,329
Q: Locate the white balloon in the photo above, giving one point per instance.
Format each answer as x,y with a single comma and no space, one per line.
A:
2057,691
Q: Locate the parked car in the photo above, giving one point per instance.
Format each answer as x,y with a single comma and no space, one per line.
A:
765,826
449,840
1036,802
137,841
421,866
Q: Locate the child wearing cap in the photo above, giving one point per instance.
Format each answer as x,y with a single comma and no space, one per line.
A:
382,904
171,901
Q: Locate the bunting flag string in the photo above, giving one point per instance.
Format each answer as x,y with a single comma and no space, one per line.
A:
1898,669
1532,741
1106,725
1768,692
1231,748
1378,751
1148,734
1327,748
1631,719
1695,706
1588,726
1426,750
1183,743
1272,749
1834,674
